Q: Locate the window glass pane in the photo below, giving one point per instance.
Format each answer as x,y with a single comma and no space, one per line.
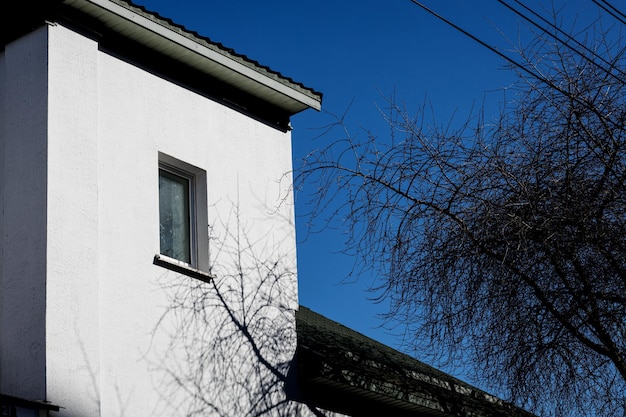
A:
174,216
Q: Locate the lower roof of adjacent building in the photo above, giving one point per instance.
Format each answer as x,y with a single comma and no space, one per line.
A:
342,370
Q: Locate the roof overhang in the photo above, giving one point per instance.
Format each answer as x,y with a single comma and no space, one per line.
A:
135,23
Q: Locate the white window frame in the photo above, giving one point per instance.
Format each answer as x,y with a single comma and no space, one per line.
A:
198,215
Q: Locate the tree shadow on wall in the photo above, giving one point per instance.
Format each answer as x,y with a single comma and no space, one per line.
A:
233,338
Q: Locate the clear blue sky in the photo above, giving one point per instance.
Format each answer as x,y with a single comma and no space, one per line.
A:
359,52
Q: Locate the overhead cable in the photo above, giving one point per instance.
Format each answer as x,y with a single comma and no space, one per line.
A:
570,38
612,10
534,74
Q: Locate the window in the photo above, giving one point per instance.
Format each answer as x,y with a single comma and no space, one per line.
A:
183,227
175,201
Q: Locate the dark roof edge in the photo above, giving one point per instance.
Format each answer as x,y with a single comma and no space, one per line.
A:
379,357
157,32
217,46
348,332
125,20
33,404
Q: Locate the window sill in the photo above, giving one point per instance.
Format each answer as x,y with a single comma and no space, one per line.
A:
182,268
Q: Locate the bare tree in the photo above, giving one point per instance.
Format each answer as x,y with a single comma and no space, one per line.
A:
504,243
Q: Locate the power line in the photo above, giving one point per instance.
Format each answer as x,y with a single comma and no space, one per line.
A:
612,10
565,42
534,74
488,46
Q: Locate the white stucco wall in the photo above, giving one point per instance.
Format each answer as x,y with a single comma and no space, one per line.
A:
139,116
81,131
23,241
72,317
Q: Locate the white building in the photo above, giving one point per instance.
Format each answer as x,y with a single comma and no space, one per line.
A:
122,137
147,239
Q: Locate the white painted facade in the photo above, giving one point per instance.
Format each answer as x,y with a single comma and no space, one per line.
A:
87,320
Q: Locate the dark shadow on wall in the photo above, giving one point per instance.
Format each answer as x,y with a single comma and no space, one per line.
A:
232,339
